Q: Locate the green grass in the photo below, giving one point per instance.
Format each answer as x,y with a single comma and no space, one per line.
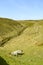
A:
32,56
29,39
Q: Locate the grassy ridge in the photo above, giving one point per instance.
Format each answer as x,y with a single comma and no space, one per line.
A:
9,28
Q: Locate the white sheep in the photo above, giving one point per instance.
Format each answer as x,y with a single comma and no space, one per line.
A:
17,52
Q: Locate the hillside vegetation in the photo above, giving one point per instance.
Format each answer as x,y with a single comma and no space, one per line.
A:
8,29
26,35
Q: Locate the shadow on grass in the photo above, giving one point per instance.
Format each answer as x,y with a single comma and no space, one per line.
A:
2,61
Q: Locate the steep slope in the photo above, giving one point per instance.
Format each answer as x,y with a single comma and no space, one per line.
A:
8,29
7,26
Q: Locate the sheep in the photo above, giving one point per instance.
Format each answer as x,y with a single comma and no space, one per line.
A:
17,52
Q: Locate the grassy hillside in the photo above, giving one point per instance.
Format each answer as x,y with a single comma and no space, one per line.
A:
30,41
8,29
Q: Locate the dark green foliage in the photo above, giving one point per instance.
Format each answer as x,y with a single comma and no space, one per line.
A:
2,61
